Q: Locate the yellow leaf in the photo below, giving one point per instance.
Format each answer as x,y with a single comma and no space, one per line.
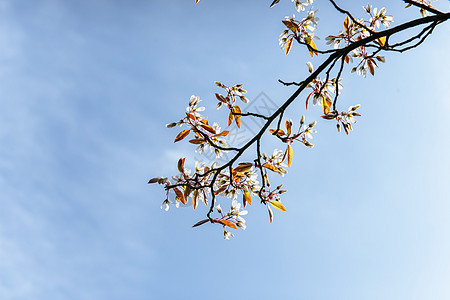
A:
195,199
290,154
382,41
311,44
247,198
182,135
278,205
288,46
325,105
291,25
346,21
237,118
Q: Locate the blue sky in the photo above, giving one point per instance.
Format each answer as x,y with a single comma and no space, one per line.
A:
86,88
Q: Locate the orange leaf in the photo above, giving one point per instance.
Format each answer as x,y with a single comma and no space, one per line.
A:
270,167
290,154
279,133
278,205
371,67
228,223
182,135
230,118
247,198
223,133
179,195
237,109
288,46
208,128
190,116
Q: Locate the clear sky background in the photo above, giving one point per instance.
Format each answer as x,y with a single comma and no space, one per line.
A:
86,88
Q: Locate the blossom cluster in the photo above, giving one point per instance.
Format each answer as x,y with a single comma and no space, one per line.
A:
302,31
229,100
345,118
355,31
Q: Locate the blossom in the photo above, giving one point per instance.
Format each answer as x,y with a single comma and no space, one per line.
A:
227,235
192,108
165,205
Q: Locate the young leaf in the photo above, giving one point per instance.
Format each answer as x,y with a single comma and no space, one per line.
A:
187,192
326,105
270,167
182,135
181,164
279,132
288,46
270,213
230,118
195,199
312,47
228,223
370,67
180,195
237,118
197,141
200,223
289,127
243,167
278,205
273,3
290,154
153,180
208,128
247,198
291,25
223,133
221,98
346,23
